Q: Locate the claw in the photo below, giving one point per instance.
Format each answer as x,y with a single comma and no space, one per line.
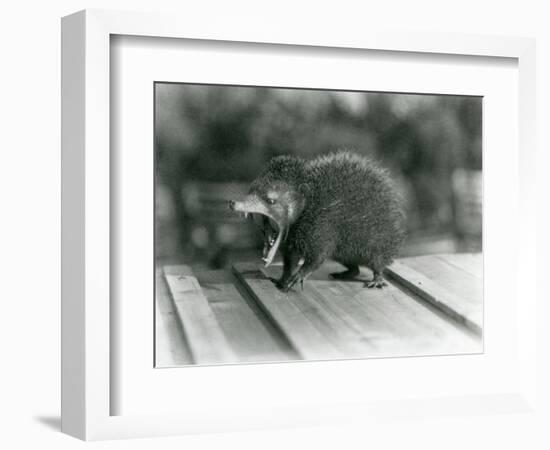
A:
283,287
377,282
291,282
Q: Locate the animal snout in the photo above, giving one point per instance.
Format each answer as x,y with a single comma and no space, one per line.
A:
231,205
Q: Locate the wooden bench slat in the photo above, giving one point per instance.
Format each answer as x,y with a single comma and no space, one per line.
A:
458,295
468,262
170,347
206,340
400,325
300,321
449,275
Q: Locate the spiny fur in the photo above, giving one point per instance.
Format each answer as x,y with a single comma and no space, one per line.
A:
352,213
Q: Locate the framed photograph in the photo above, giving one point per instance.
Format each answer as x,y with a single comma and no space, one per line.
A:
267,228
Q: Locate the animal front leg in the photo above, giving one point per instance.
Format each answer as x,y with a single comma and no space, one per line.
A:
291,261
300,275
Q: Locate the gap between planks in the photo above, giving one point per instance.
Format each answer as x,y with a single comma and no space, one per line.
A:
291,312
251,335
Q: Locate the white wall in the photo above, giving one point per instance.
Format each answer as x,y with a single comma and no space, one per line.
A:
29,177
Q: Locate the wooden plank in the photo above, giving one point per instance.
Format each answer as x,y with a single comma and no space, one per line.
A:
395,323
247,329
360,322
170,347
301,322
468,262
453,291
204,336
342,327
463,284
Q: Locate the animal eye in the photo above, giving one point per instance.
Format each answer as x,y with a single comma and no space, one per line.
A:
271,201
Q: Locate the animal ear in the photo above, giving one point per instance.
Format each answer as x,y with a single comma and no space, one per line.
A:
304,189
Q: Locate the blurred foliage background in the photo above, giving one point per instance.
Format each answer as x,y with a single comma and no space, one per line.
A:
211,141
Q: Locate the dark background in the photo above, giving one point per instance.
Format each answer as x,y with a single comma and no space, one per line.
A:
211,141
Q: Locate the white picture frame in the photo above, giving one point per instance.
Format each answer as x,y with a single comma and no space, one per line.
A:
86,246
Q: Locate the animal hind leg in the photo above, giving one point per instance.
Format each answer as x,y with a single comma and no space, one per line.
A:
377,280
351,273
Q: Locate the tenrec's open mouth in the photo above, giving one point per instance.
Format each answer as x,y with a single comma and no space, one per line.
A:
271,237
273,231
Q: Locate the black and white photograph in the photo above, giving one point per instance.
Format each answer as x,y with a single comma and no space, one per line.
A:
303,224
